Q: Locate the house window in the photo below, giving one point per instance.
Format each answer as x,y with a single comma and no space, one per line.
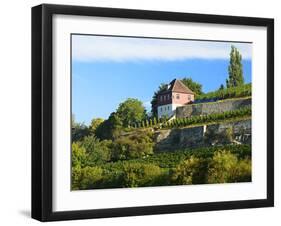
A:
161,98
178,96
168,97
189,97
164,97
168,107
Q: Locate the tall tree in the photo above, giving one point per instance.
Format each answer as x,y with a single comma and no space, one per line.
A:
110,128
154,99
94,124
78,130
235,69
221,87
194,86
131,111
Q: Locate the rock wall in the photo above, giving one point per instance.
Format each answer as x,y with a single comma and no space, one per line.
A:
238,132
212,107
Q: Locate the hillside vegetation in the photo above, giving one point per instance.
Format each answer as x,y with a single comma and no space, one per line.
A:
231,92
194,166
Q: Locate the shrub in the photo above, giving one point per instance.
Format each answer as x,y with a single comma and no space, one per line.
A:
137,145
78,155
79,131
86,178
97,151
139,174
225,167
75,177
191,171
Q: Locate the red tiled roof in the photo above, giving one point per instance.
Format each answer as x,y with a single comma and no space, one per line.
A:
177,86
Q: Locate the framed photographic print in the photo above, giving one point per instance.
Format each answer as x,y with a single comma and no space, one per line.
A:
145,112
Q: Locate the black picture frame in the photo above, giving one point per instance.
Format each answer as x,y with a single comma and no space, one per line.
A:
42,111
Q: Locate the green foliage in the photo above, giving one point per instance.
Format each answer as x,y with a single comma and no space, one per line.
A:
235,69
95,123
110,128
154,99
86,178
221,87
185,166
190,171
139,174
182,122
137,145
78,156
97,151
225,167
231,92
155,121
79,131
131,111
194,86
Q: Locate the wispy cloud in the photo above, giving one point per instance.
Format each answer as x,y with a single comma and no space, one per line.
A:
120,49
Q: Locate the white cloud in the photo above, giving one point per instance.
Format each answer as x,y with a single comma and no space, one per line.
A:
119,49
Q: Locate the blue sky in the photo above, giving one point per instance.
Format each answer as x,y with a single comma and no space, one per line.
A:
108,70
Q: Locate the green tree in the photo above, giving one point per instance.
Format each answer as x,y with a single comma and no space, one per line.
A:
139,174
131,111
154,99
221,87
97,151
110,128
225,167
78,156
137,145
194,86
95,124
235,69
86,178
191,171
78,130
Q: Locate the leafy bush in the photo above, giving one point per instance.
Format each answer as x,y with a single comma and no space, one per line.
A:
78,156
185,166
109,129
86,178
97,151
225,167
139,174
191,171
137,145
79,131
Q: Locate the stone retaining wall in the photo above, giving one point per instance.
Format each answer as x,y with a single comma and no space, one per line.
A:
212,107
238,132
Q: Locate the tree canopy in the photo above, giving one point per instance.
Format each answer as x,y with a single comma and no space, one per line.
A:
109,128
154,99
235,69
95,123
79,130
131,111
